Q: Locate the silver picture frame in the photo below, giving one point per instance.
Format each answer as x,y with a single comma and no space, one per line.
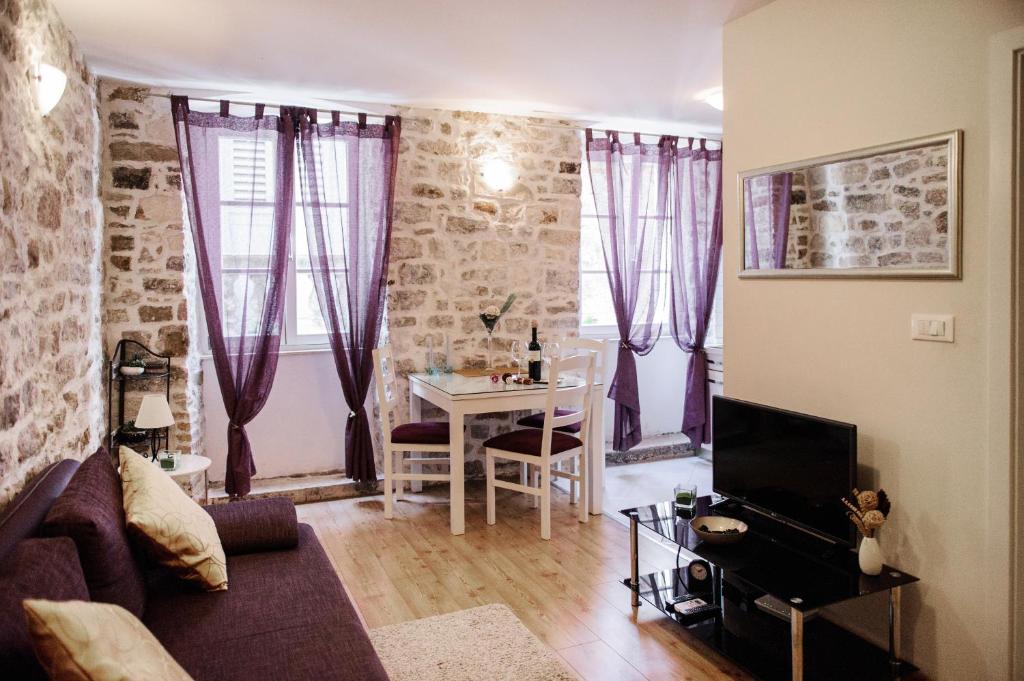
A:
954,183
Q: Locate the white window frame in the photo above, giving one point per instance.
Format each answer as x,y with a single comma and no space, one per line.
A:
291,341
611,331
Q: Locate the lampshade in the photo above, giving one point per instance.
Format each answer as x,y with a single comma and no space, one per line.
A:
50,85
154,412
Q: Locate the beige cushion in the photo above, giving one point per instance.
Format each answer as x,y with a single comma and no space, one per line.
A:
175,531
81,641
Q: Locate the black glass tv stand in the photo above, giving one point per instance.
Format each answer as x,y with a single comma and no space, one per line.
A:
767,590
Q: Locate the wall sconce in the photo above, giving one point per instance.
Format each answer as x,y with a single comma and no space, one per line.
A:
499,174
50,84
712,97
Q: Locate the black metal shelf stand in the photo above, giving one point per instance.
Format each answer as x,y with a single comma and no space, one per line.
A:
157,375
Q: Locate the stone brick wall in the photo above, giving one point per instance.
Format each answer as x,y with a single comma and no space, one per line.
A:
883,211
147,295
459,245
50,392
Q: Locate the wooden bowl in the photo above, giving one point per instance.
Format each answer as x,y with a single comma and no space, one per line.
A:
716,529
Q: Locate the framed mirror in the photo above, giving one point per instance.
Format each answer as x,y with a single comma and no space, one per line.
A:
884,212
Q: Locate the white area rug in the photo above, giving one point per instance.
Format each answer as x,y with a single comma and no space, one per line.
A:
480,644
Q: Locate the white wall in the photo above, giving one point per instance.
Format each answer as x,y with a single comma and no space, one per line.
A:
805,78
302,427
661,375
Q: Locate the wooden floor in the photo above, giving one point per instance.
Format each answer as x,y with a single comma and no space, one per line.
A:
566,591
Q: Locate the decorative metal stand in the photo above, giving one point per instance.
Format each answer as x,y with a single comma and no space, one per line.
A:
155,377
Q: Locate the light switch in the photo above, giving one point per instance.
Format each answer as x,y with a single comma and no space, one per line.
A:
932,327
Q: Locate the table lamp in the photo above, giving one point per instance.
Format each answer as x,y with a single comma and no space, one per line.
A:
154,414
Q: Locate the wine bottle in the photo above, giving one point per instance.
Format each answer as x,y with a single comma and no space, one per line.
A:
534,355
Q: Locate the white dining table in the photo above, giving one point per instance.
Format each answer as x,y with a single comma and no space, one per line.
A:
463,395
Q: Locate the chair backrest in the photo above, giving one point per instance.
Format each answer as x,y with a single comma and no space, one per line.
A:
387,388
577,397
572,346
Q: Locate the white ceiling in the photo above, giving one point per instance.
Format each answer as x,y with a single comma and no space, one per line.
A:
608,62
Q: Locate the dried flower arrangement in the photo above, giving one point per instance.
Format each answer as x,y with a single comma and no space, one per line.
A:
868,510
492,314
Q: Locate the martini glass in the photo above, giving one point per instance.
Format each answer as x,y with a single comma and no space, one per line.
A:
489,321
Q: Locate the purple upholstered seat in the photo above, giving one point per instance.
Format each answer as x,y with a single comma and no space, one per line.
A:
285,616
421,433
91,512
528,442
537,421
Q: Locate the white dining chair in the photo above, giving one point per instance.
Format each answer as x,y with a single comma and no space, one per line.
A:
399,438
569,347
547,446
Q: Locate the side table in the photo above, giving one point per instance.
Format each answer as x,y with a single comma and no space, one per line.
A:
189,465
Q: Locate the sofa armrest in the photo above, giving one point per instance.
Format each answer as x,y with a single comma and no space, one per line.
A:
256,525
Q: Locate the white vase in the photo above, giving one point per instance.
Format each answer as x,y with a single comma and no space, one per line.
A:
870,556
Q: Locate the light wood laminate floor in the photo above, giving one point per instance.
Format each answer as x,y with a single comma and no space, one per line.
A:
566,591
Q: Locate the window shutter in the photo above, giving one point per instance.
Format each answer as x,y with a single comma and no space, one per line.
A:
249,172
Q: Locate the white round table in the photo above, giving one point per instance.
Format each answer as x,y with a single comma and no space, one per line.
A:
189,465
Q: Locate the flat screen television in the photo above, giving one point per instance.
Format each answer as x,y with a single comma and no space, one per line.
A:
793,467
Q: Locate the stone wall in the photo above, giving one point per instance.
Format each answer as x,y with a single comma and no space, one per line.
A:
145,248
460,245
50,390
884,211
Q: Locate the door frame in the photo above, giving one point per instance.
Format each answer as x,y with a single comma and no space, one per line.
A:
1016,383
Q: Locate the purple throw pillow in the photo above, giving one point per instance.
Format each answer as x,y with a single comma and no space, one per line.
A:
36,568
91,512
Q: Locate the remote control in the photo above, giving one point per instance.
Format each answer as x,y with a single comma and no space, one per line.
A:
694,608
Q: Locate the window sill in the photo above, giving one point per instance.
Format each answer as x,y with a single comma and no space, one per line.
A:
311,350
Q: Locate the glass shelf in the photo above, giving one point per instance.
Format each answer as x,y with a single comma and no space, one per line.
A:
759,642
807,580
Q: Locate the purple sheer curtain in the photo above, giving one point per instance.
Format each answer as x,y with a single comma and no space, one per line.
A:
347,178
630,190
695,212
777,188
240,227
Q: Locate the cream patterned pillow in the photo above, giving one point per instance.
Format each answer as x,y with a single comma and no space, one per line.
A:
174,529
81,641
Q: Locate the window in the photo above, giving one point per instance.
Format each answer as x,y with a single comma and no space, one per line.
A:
597,314
246,182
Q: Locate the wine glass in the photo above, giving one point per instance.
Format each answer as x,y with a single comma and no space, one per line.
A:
552,349
517,351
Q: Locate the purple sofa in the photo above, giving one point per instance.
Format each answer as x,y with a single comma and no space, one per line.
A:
285,614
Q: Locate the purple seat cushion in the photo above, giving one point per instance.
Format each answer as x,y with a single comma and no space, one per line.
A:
256,525
537,421
421,433
35,568
528,441
91,512
286,615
